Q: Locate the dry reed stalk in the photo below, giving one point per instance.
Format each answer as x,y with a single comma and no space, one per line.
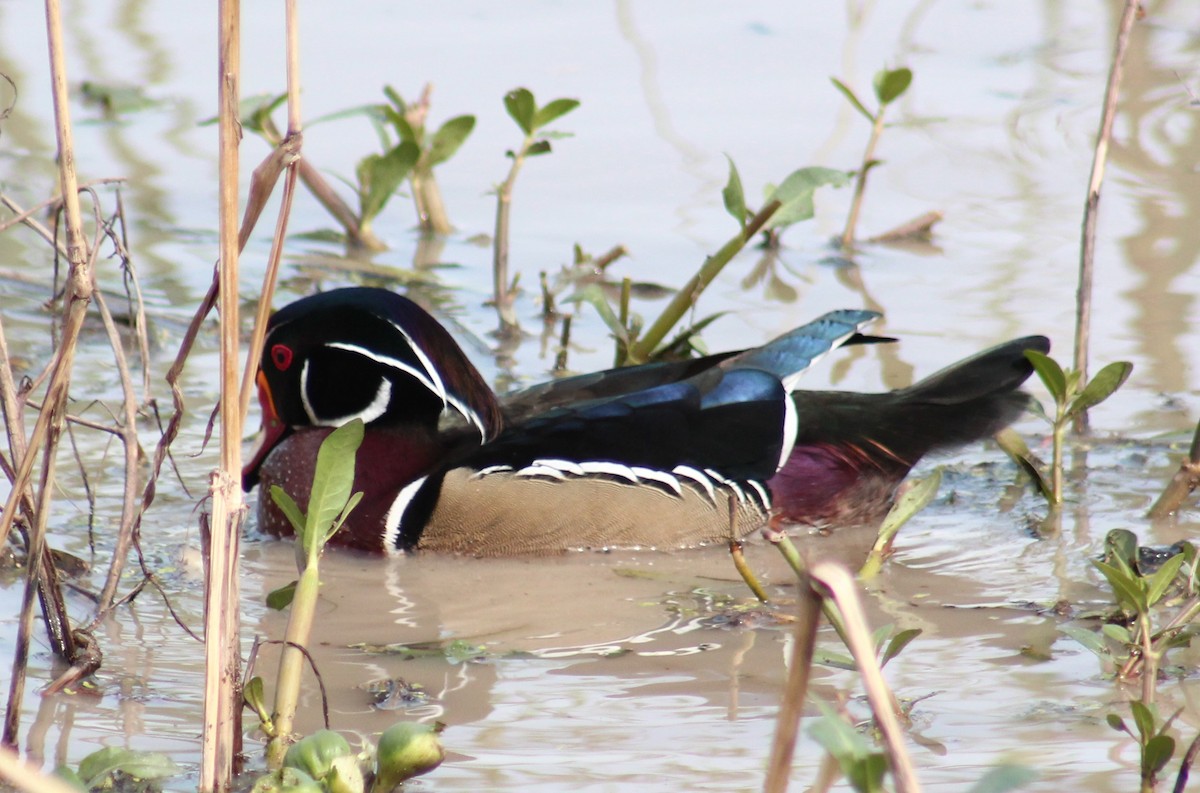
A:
1087,254
222,705
787,728
51,417
844,593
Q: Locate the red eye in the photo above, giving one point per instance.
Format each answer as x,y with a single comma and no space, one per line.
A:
281,356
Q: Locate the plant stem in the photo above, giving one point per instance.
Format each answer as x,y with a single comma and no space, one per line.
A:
860,182
291,662
502,295
222,678
1083,294
842,588
1056,463
686,297
787,726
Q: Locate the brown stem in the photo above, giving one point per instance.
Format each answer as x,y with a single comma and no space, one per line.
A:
1083,294
860,182
500,283
787,726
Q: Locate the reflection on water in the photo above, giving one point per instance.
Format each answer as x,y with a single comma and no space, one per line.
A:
641,672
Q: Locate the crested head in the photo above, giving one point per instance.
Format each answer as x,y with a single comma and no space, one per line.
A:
369,354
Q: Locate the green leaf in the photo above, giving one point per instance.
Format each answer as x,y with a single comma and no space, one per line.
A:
1117,723
449,138
345,513
1117,632
866,774
553,111
287,506
898,643
1049,372
833,659
1143,718
1127,588
594,295
254,696
1163,578
1004,778
332,481
733,195
538,147
890,84
1089,639
281,598
837,737
394,97
1101,387
1121,549
101,764
521,107
1157,754
380,175
795,194
852,98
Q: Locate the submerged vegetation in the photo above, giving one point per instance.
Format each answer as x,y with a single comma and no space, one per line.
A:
1155,595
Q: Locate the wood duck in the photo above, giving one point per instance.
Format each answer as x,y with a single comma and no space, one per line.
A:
665,455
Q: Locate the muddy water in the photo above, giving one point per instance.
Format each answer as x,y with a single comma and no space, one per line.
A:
637,671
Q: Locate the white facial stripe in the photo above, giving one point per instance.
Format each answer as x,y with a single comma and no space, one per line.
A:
308,411
790,427
395,515
376,408
435,387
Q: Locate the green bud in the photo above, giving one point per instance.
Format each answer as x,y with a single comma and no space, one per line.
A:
345,776
315,753
406,750
286,780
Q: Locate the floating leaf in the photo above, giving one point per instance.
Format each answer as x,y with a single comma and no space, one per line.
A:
1101,387
890,84
1049,372
1004,778
449,137
520,105
553,111
852,98
733,195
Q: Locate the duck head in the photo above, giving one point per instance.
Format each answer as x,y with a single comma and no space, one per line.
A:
368,354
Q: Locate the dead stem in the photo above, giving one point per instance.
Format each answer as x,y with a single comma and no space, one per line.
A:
222,705
787,726
129,439
844,592
1083,294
